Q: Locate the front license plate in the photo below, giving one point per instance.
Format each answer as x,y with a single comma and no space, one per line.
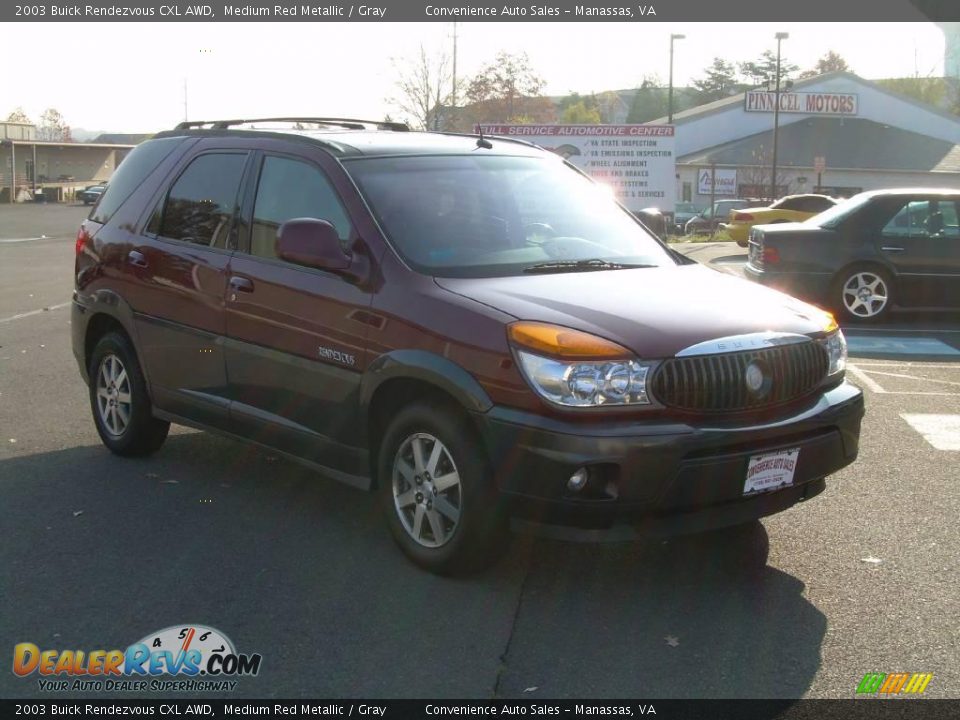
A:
771,471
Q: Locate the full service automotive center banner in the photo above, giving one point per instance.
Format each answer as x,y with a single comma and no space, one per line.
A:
636,161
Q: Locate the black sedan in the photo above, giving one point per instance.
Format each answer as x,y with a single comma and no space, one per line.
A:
876,252
91,194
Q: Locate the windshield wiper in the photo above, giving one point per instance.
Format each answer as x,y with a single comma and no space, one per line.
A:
581,266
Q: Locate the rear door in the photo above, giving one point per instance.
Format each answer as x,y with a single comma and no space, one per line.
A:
922,242
181,262
296,335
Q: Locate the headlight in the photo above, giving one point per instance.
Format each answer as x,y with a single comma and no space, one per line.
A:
576,369
836,346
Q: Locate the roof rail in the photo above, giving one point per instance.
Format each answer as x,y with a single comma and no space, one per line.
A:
349,123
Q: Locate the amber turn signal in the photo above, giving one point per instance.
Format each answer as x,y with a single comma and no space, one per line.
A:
562,342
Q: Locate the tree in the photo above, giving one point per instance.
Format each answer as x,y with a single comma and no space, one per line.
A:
754,179
649,101
507,89
18,116
719,81
764,69
580,114
422,85
930,90
53,128
831,62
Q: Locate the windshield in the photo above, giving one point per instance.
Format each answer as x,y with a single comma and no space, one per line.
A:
685,207
487,216
831,217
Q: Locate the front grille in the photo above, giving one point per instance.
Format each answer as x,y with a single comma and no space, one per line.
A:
716,383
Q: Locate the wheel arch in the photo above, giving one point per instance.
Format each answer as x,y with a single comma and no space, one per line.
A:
400,377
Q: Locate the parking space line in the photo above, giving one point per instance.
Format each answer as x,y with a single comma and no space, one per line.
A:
34,312
920,364
941,431
869,382
912,377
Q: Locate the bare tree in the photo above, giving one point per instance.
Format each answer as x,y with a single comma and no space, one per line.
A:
18,116
508,90
754,179
53,127
422,86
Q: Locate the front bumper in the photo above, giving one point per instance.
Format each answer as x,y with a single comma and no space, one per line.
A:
664,476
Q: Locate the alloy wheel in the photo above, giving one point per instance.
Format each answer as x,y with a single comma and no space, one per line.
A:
426,490
114,397
865,294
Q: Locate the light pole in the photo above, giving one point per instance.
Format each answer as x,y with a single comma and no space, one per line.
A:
673,36
780,36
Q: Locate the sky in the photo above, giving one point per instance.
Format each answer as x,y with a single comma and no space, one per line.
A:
131,76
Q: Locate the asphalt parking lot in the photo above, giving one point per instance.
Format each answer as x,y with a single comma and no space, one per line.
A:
100,551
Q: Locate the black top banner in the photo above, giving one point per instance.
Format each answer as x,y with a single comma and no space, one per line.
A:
482,11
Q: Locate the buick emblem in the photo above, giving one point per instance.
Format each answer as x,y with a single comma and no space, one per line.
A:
754,378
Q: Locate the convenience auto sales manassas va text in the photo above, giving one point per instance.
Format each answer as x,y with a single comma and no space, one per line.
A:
533,709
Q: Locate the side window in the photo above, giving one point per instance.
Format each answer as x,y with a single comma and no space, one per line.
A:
798,204
292,189
818,205
910,221
950,213
201,204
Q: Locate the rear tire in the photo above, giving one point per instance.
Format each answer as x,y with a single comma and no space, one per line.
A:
863,293
437,491
119,400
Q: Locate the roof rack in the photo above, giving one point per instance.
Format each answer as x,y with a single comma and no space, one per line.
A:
349,123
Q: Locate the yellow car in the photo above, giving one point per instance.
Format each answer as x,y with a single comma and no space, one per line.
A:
792,208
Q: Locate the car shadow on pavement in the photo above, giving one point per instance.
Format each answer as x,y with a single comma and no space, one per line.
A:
684,618
103,550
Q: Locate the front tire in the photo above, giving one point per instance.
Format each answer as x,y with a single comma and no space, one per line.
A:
437,492
119,399
863,293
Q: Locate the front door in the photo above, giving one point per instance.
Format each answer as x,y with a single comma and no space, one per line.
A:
296,336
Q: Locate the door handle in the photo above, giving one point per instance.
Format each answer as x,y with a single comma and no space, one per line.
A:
241,284
891,248
137,259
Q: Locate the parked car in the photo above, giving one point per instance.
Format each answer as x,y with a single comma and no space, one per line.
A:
683,212
877,252
792,208
91,193
465,325
709,220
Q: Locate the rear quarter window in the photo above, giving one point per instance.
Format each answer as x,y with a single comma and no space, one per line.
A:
134,169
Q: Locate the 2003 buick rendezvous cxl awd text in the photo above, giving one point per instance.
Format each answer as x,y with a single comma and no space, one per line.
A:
467,325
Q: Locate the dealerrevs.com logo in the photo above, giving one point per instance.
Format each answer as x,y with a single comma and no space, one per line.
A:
185,658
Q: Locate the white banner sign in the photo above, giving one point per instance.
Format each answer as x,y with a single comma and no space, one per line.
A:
806,103
726,180
637,161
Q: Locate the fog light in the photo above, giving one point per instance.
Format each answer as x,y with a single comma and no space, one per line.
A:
578,481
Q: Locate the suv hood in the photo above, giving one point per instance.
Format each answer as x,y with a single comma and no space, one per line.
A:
656,312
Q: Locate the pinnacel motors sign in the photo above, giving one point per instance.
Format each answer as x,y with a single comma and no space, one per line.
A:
807,103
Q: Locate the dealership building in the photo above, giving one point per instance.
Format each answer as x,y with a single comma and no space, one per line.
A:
31,167
838,134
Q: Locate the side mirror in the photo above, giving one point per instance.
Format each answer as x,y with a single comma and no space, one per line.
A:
311,242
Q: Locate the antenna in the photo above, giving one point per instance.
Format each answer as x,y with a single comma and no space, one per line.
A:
481,142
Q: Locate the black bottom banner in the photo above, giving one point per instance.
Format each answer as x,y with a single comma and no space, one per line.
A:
861,708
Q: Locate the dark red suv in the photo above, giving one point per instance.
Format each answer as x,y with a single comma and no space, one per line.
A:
468,325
